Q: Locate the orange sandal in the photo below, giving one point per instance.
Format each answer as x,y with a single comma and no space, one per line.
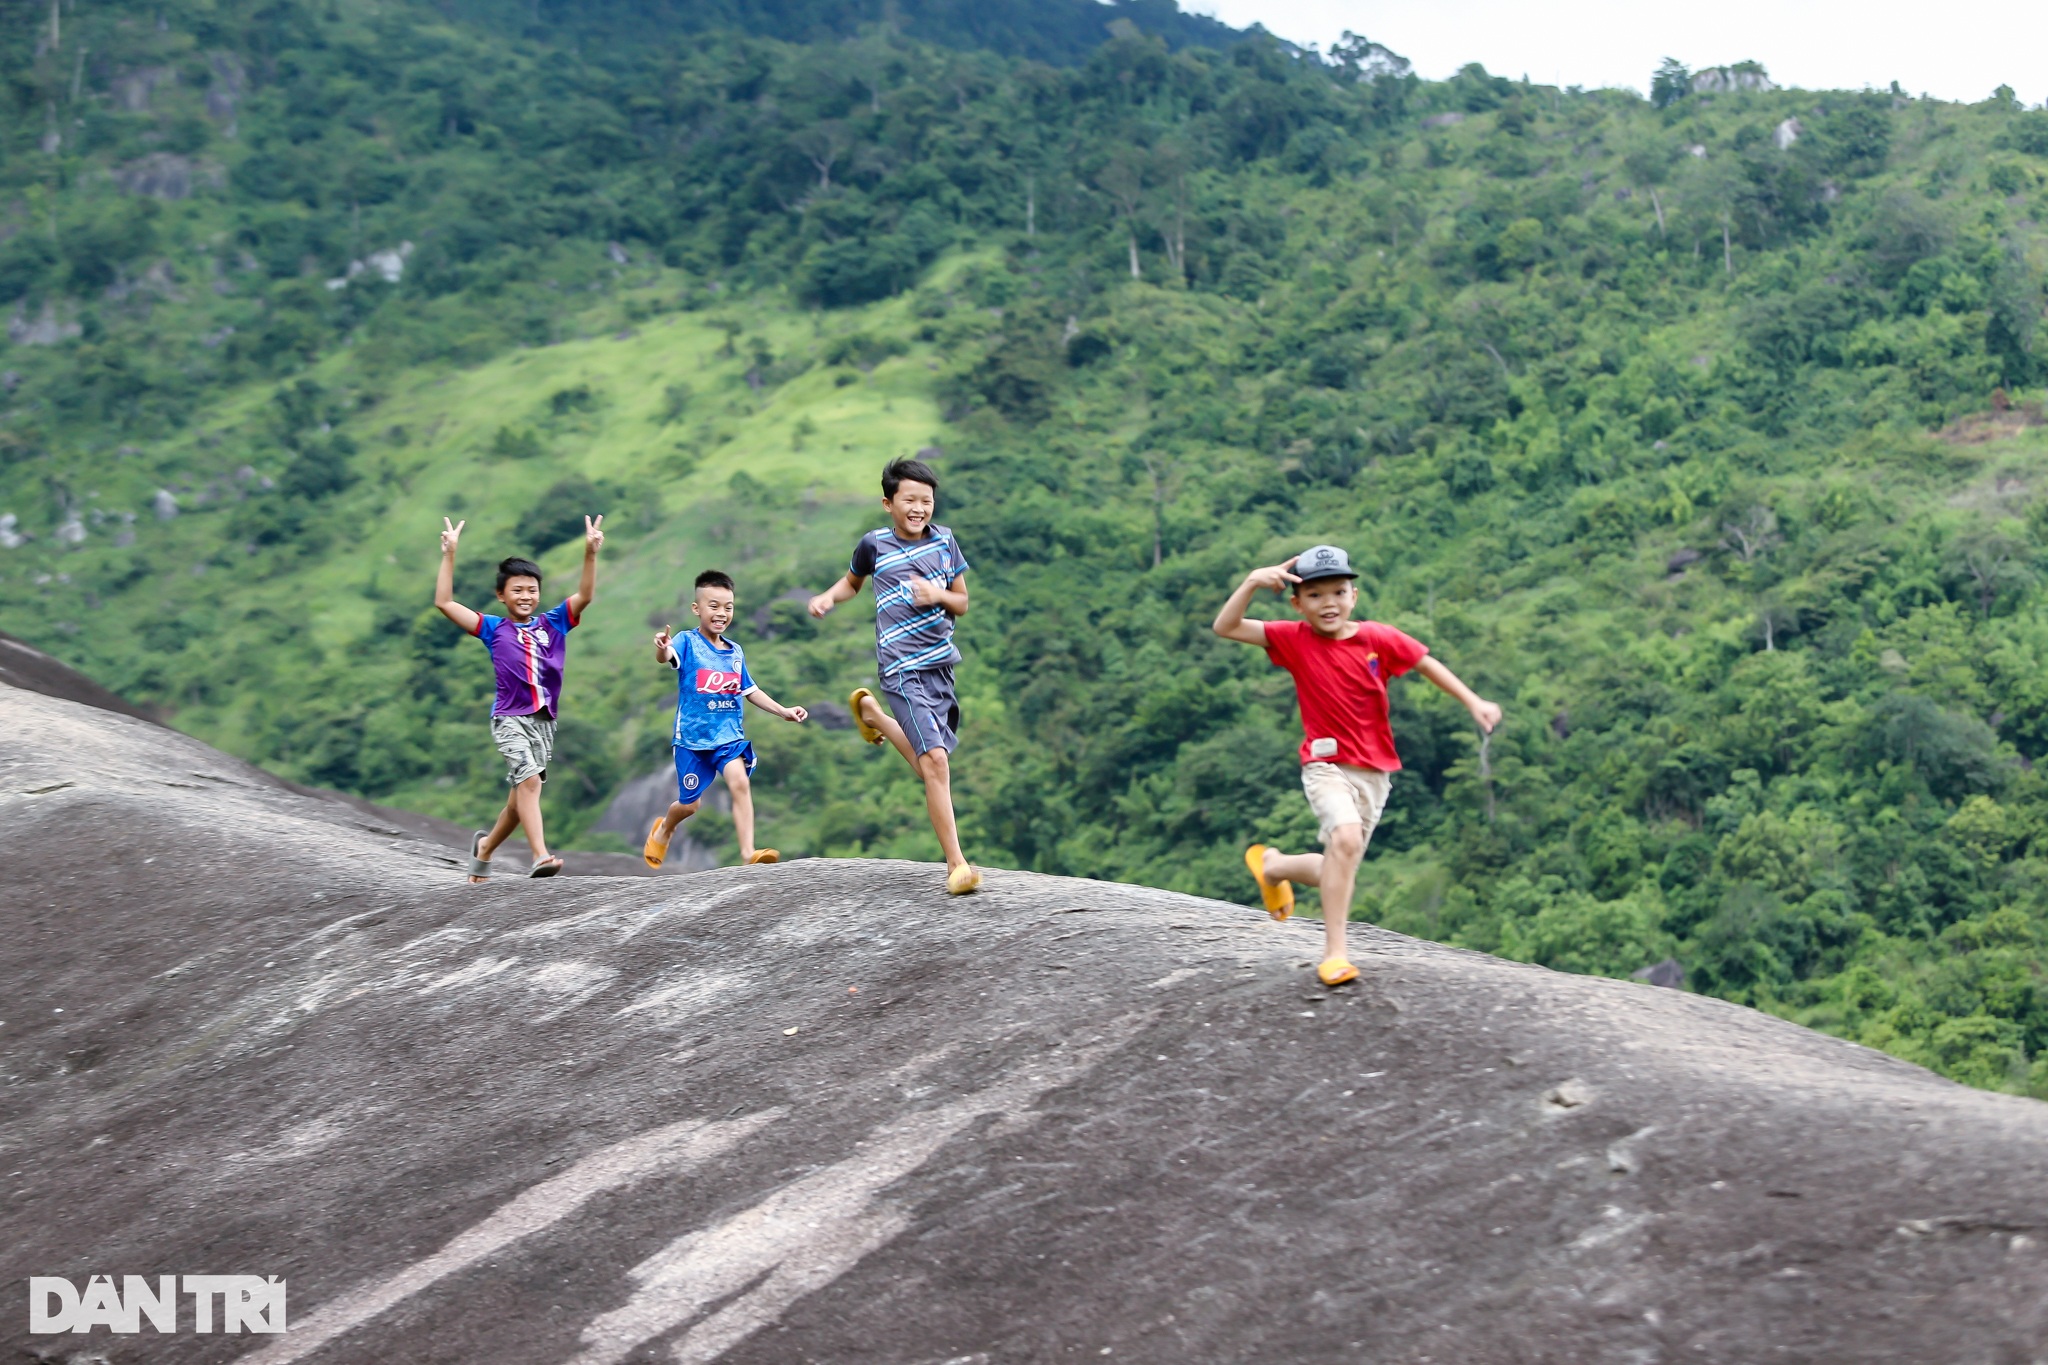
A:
1278,895
867,731
1336,971
655,851
764,855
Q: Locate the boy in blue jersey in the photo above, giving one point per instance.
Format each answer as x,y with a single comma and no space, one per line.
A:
920,589
710,736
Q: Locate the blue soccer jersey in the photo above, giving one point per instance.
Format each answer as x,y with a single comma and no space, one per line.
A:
709,684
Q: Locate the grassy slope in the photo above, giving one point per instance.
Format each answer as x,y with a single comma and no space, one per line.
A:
679,514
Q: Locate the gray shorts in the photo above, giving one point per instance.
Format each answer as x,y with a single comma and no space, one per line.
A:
923,703
527,742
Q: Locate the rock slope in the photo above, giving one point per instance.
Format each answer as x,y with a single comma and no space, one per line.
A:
821,1112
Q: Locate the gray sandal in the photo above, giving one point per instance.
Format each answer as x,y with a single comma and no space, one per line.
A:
479,867
547,867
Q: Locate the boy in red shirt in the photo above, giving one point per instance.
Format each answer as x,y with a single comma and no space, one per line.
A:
1340,669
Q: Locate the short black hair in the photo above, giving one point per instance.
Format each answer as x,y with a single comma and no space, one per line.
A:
515,567
714,578
906,470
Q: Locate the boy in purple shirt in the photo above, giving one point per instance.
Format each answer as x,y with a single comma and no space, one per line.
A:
527,650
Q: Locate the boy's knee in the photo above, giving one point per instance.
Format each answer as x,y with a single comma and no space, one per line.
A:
1345,841
529,787
934,764
681,812
738,784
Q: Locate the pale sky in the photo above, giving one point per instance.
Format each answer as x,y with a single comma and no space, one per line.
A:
1957,50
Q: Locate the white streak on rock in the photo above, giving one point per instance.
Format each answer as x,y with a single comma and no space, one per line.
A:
804,1235
661,1151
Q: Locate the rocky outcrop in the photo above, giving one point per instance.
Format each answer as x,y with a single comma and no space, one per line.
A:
166,175
1729,79
47,328
822,1111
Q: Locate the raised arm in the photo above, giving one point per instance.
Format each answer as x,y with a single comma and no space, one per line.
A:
1230,622
1484,713
664,652
845,590
586,587
444,581
774,707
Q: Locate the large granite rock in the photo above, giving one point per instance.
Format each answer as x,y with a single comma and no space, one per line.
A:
822,1112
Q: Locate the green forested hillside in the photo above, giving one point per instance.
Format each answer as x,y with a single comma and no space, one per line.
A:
1705,435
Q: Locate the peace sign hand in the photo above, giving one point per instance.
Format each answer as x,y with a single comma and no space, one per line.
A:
593,533
451,532
1278,577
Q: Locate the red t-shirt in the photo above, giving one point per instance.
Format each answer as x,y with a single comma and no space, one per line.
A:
1342,687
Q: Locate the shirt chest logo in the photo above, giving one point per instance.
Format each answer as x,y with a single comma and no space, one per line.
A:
712,680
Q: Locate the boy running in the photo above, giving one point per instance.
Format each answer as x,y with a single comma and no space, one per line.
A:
920,590
1340,669
528,651
710,737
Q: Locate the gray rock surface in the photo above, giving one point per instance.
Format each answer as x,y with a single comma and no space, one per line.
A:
821,1112
24,666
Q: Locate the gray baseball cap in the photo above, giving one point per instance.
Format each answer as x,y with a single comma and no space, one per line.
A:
1323,561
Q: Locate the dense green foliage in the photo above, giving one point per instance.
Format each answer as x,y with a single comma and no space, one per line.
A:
1704,437
1062,32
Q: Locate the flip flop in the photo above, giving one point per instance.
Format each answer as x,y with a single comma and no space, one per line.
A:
655,850
1336,971
547,867
765,855
867,731
479,868
1278,895
963,879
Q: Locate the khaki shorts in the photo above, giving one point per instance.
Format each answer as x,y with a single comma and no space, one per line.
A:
527,742
1340,794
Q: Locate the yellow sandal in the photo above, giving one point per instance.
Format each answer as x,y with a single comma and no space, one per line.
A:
1336,971
867,731
655,850
1278,895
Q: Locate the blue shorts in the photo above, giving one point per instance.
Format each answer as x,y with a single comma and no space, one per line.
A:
695,768
923,703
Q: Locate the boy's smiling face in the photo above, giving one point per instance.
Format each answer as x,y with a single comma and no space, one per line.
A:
1326,603
910,511
714,608
521,596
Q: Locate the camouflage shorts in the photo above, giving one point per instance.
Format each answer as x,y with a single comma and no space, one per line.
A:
527,742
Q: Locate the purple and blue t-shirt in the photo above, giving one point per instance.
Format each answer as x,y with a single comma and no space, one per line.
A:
528,659
908,636
709,684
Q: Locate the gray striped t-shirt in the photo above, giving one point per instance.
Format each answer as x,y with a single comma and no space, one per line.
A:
908,636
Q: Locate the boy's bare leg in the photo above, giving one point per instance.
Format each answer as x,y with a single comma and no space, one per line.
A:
1334,872
937,771
877,715
677,813
1303,869
741,790
934,767
508,820
526,807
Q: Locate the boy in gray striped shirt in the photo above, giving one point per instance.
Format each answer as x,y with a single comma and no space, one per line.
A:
920,588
